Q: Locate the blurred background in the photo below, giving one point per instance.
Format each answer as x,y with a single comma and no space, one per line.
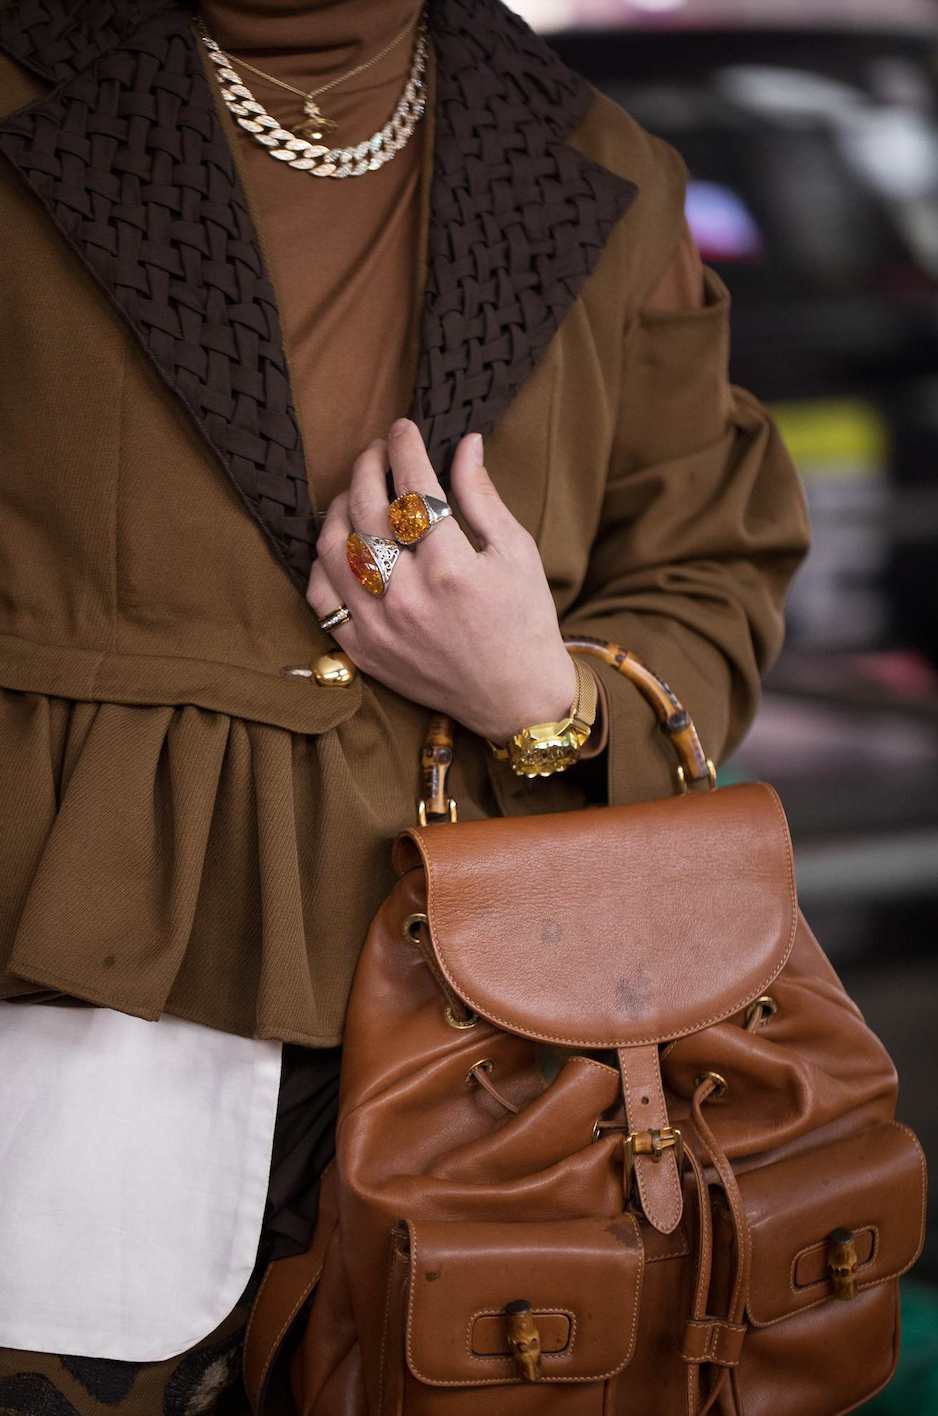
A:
810,128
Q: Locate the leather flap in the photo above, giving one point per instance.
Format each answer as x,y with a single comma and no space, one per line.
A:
582,1277
618,925
872,1184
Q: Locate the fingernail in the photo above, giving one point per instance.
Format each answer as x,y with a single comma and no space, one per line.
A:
478,449
400,425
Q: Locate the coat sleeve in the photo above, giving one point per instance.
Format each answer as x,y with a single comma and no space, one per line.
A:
703,526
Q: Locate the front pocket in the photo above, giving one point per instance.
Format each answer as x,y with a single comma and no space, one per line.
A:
809,1352
450,1340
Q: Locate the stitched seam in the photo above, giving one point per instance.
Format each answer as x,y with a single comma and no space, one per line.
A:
506,1357
714,1330
669,1213
256,1304
819,1247
275,1347
115,563
874,1282
671,1254
491,1381
418,836
174,658
385,1325
591,1062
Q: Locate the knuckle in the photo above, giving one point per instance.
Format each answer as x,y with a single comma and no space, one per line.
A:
411,610
358,505
445,578
325,541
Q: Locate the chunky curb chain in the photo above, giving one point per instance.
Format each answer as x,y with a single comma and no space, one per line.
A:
309,157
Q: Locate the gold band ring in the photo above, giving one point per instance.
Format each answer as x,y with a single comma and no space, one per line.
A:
414,515
371,559
335,619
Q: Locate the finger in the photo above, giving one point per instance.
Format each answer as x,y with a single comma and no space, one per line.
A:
323,598
479,501
368,492
413,472
334,532
331,550
410,463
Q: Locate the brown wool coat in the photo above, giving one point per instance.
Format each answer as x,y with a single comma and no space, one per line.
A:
185,829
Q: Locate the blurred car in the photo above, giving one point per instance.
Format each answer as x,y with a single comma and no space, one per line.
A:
811,134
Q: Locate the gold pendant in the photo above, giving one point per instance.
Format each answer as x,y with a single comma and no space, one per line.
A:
316,121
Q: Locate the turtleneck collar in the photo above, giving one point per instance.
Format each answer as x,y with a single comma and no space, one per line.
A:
311,41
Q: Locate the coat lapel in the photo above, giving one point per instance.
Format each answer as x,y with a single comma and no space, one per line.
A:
129,157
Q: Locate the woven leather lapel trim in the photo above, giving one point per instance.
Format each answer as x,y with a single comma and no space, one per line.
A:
518,219
132,163
130,159
59,38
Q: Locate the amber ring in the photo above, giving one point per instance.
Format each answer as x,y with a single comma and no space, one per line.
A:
413,515
371,559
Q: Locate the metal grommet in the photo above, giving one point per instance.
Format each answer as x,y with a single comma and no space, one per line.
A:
761,1010
484,1064
412,926
720,1087
469,1021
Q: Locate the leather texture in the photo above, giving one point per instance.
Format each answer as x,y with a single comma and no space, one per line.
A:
586,1272
597,1067
128,155
691,914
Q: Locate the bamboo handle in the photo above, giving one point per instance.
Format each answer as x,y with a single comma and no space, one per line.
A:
694,767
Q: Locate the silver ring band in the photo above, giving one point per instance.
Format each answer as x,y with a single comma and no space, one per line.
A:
371,560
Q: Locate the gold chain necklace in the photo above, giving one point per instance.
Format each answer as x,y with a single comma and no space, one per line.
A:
296,151
316,120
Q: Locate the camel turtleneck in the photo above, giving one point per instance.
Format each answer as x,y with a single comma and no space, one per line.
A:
313,43
344,255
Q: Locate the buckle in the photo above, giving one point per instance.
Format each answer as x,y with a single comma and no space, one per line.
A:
653,1144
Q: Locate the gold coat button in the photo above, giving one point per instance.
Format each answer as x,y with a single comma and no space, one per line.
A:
334,671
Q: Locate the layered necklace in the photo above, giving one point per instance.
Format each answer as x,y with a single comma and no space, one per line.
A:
302,149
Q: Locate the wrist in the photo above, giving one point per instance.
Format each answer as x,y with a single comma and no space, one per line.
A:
552,745
548,701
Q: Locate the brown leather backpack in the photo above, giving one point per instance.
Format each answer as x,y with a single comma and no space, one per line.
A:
612,1137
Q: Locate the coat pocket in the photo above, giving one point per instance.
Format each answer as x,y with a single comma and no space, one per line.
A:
817,1347
448,1345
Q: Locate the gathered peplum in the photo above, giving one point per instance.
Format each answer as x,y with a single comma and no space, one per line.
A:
183,860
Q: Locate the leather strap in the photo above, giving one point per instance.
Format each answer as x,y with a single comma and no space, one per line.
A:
282,1296
727,1177
657,1175
713,1340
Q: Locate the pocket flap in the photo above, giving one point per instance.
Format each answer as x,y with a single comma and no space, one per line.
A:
872,1184
582,1278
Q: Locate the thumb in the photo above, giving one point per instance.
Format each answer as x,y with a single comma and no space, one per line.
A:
486,514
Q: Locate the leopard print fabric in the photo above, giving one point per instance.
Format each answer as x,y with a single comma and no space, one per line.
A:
205,1380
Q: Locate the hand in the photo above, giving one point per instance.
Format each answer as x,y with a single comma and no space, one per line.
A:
471,633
